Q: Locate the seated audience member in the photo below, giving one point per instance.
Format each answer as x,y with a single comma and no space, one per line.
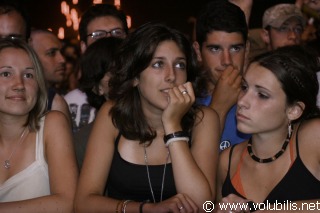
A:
277,105
97,64
48,48
221,46
70,80
282,25
98,21
101,20
71,53
151,146
38,170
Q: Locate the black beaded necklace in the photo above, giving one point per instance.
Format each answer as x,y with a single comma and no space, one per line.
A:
267,160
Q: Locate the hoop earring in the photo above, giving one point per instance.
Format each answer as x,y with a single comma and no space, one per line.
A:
289,129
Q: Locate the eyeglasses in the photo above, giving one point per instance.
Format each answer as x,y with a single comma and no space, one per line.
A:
118,32
12,37
286,29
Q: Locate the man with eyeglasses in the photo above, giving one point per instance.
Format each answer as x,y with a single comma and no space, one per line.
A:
283,25
101,20
98,21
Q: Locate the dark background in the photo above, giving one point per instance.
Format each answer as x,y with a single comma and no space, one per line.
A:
176,13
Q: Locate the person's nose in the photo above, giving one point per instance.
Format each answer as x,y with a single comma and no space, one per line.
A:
170,75
60,58
243,100
226,58
292,34
18,83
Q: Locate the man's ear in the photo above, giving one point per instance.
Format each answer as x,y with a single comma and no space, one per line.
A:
264,34
196,48
83,46
295,111
100,90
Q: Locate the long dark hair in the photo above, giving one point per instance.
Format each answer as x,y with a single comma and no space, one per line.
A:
135,55
295,67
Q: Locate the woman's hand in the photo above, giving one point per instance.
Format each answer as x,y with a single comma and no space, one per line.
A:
180,100
176,204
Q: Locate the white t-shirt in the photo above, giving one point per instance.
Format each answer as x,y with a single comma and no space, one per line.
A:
81,112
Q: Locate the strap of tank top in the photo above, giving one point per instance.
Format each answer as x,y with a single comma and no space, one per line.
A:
230,155
39,140
51,94
297,144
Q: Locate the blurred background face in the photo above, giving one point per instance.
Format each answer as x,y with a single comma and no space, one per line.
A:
104,85
48,47
98,27
314,4
288,34
12,24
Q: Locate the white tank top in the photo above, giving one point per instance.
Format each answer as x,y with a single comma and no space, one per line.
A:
31,182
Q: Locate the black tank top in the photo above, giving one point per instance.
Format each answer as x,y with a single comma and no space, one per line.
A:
298,184
128,181
51,94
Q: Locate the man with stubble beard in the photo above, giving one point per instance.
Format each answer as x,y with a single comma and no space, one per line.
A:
48,48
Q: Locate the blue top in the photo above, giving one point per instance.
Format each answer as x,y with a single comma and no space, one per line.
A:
230,134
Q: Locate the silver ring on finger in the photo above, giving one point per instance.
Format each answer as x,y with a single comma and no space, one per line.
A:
184,92
180,208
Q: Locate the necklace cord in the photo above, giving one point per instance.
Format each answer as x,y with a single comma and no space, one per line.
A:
273,158
148,174
7,163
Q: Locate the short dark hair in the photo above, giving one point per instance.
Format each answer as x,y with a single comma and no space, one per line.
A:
220,15
98,59
7,6
100,10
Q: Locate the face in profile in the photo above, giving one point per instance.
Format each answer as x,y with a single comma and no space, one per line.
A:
48,48
103,87
18,85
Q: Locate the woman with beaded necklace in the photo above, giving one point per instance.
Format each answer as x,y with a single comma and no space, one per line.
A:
279,167
151,146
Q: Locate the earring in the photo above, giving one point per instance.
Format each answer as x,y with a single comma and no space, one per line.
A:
289,129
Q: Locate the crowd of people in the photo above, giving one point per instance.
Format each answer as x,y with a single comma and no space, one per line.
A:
150,121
